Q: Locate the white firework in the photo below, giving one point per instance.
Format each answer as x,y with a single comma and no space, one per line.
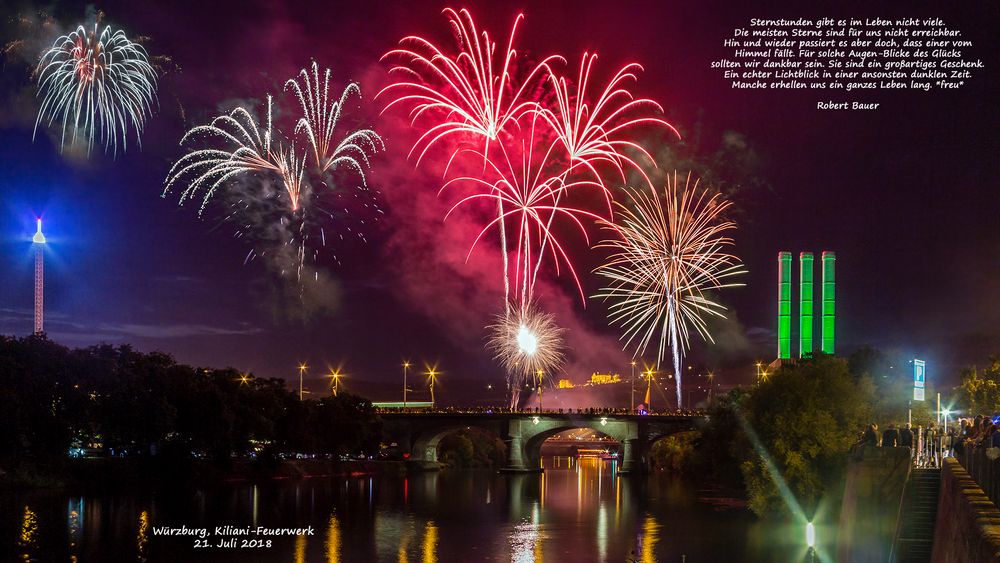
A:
527,342
96,85
249,149
320,119
668,251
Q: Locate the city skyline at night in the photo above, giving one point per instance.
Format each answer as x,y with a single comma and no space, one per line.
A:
127,266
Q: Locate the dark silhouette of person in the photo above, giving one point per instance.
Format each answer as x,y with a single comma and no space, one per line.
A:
870,437
890,438
906,437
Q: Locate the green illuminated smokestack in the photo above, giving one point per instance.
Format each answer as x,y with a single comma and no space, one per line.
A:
829,260
805,304
784,305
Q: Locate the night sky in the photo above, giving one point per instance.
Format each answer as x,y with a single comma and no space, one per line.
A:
907,196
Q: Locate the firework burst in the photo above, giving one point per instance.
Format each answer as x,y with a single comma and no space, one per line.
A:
274,198
526,342
667,251
593,129
467,93
250,149
319,122
96,84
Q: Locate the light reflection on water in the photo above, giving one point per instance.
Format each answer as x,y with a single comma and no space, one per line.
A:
332,540
575,511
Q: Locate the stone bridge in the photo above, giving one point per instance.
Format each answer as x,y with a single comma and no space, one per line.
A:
419,433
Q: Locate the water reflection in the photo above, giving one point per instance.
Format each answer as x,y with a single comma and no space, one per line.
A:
524,543
650,535
577,510
74,517
332,540
29,529
142,538
430,542
300,548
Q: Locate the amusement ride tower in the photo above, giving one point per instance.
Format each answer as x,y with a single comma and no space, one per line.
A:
38,241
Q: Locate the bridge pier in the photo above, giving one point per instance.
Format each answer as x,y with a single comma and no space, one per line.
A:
515,451
629,462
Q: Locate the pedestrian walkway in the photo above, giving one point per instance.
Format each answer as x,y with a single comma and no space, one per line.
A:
920,502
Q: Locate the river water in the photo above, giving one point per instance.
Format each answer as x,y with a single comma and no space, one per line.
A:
574,511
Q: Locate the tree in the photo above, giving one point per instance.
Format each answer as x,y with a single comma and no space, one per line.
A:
892,375
980,389
801,424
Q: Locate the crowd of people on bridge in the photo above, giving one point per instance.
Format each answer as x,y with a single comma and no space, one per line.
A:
603,411
932,444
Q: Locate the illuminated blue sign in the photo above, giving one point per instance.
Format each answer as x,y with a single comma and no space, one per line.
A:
919,378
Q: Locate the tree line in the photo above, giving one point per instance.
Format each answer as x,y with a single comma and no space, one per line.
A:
117,401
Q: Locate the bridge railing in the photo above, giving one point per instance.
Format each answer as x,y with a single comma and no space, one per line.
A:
985,471
505,410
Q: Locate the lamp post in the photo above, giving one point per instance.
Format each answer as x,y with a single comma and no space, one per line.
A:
432,377
811,540
406,366
633,387
539,390
335,376
302,368
711,382
758,372
649,389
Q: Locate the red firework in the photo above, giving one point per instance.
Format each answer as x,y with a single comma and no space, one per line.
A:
595,129
528,176
468,92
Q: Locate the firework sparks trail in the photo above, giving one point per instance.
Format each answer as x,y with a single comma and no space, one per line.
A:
96,84
469,93
591,128
526,178
319,122
252,149
668,251
526,342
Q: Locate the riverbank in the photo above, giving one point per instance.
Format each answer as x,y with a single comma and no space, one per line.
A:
147,473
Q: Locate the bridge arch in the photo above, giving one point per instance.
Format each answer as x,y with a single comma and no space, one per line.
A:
532,446
419,434
426,442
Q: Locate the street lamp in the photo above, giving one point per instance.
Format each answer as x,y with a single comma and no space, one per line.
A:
811,540
649,386
302,368
431,378
406,366
335,375
633,386
539,390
